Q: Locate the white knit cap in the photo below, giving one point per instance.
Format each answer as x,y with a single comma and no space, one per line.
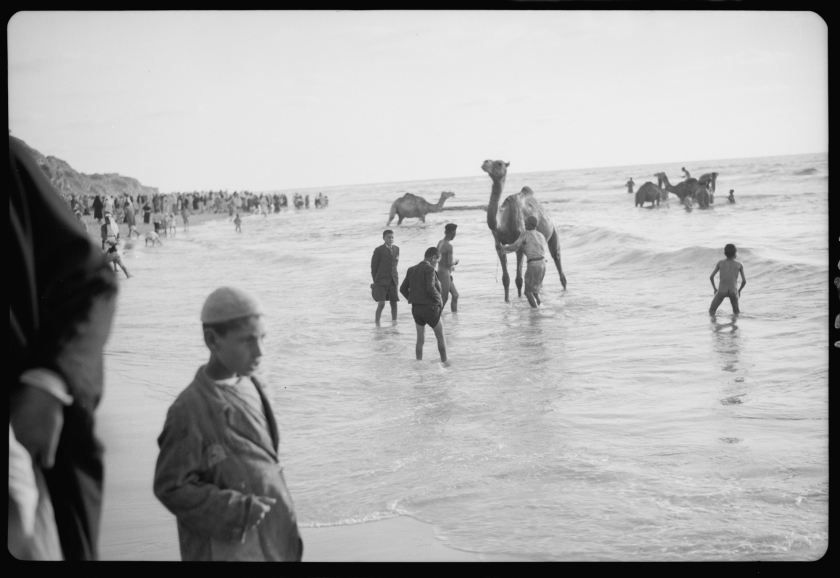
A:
226,303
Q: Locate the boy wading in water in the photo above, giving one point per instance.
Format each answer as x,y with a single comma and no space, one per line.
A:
446,266
729,269
421,287
533,245
218,470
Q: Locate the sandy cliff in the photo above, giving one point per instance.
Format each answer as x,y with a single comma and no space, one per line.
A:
66,179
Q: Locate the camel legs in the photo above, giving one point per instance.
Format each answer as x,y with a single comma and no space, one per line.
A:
519,259
505,276
554,249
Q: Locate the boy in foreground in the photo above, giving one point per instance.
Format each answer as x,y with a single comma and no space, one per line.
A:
729,269
218,470
421,287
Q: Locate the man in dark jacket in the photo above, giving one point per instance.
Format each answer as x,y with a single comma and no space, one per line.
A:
421,287
60,310
383,270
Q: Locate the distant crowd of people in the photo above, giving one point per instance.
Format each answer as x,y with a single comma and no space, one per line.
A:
168,205
161,210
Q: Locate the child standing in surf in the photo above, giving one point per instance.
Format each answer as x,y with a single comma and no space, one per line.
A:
729,269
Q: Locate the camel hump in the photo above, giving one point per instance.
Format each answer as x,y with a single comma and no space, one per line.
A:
409,197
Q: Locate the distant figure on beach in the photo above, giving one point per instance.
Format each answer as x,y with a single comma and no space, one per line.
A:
171,225
237,220
446,266
78,214
106,234
147,212
130,219
686,173
383,270
113,256
61,305
219,470
152,237
729,270
306,202
421,287
97,208
157,221
630,185
731,196
185,217
533,244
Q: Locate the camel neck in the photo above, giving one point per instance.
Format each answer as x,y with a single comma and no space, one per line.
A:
493,205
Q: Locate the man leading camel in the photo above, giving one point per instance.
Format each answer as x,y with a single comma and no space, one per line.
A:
446,266
533,244
383,269
421,287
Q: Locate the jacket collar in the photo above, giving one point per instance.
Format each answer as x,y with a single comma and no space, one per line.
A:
268,440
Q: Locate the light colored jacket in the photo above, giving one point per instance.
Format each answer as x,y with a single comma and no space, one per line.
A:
214,458
532,243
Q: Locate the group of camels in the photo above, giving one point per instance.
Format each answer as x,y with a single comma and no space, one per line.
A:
701,190
506,221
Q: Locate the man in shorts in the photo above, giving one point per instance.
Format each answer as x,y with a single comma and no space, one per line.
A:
533,244
383,270
421,287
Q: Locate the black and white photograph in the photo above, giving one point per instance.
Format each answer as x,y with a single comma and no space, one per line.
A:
410,285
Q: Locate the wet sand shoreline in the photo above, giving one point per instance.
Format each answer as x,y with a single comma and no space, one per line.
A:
135,526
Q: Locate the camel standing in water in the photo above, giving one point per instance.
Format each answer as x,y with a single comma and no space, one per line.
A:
508,222
687,190
708,180
413,207
649,193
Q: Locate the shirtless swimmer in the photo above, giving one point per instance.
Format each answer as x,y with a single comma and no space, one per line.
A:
729,269
446,266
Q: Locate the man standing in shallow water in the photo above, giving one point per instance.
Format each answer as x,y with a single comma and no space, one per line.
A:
729,269
446,266
422,289
533,245
383,270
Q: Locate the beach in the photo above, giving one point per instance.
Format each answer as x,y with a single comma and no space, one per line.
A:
136,527
617,422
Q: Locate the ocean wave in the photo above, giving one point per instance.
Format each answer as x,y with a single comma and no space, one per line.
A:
372,517
612,249
599,235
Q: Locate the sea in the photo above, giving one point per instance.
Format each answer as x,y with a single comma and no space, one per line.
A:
618,422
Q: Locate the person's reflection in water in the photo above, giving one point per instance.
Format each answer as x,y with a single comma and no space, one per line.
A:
727,343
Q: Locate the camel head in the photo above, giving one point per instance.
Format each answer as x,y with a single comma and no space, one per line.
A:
446,195
496,169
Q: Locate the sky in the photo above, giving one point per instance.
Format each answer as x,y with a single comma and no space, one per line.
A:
272,100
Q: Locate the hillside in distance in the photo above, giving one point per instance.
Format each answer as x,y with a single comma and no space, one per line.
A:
66,180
